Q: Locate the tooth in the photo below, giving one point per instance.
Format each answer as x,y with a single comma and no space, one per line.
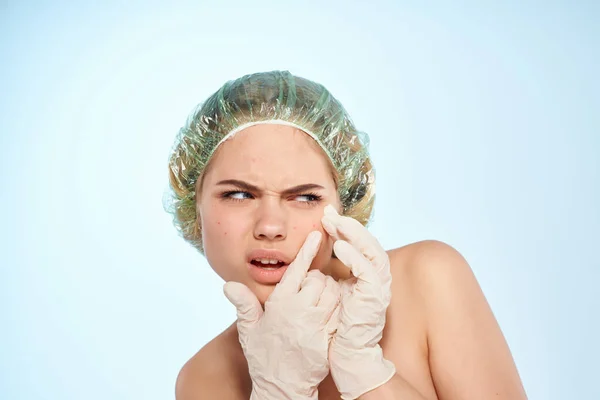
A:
268,261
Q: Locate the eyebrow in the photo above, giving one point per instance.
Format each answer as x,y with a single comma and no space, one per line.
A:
251,188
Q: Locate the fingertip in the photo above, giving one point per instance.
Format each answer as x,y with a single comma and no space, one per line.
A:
309,249
227,288
316,237
338,246
229,292
313,243
344,252
330,210
338,250
329,226
298,269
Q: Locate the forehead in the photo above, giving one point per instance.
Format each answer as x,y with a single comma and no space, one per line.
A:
271,154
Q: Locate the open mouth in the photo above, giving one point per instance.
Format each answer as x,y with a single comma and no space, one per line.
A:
267,264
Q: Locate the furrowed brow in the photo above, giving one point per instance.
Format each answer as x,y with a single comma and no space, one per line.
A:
301,188
239,184
251,188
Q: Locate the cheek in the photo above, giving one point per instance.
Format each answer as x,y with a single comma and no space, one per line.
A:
221,236
301,231
323,258
303,223
217,225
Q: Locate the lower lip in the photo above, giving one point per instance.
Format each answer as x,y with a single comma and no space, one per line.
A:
266,276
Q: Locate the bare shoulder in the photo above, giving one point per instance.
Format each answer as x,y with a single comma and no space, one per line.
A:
422,252
432,269
415,269
437,274
467,354
214,372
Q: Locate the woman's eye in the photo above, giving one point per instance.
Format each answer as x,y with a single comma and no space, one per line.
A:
237,195
308,198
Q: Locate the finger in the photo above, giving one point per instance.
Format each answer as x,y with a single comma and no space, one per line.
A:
367,279
296,271
355,233
249,310
330,228
330,298
311,288
352,231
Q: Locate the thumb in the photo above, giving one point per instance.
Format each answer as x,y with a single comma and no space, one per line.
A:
249,310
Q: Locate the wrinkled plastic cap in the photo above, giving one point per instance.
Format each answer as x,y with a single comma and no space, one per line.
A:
268,97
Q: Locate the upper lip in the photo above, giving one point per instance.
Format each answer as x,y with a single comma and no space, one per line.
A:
268,253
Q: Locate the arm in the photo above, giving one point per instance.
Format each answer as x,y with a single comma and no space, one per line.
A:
468,355
217,371
394,389
189,386
196,383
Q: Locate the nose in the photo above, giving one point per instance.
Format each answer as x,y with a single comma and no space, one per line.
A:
271,222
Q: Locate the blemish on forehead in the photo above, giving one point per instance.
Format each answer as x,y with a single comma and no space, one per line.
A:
314,225
294,227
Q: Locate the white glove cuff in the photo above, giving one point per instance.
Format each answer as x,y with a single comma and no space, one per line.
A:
270,391
358,372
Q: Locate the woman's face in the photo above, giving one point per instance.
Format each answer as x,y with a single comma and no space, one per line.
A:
265,189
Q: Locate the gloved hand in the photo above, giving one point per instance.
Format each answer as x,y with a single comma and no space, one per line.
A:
286,345
356,359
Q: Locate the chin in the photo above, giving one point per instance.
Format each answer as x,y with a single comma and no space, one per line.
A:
262,292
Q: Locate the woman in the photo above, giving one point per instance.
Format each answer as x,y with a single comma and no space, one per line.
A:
272,182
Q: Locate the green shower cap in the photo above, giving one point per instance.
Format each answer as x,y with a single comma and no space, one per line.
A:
276,97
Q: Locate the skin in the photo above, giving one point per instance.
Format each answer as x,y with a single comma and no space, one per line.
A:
440,332
272,158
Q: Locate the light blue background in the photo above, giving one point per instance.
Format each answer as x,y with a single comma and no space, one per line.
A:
485,134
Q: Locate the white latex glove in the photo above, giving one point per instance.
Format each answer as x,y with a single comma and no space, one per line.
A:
286,345
356,359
